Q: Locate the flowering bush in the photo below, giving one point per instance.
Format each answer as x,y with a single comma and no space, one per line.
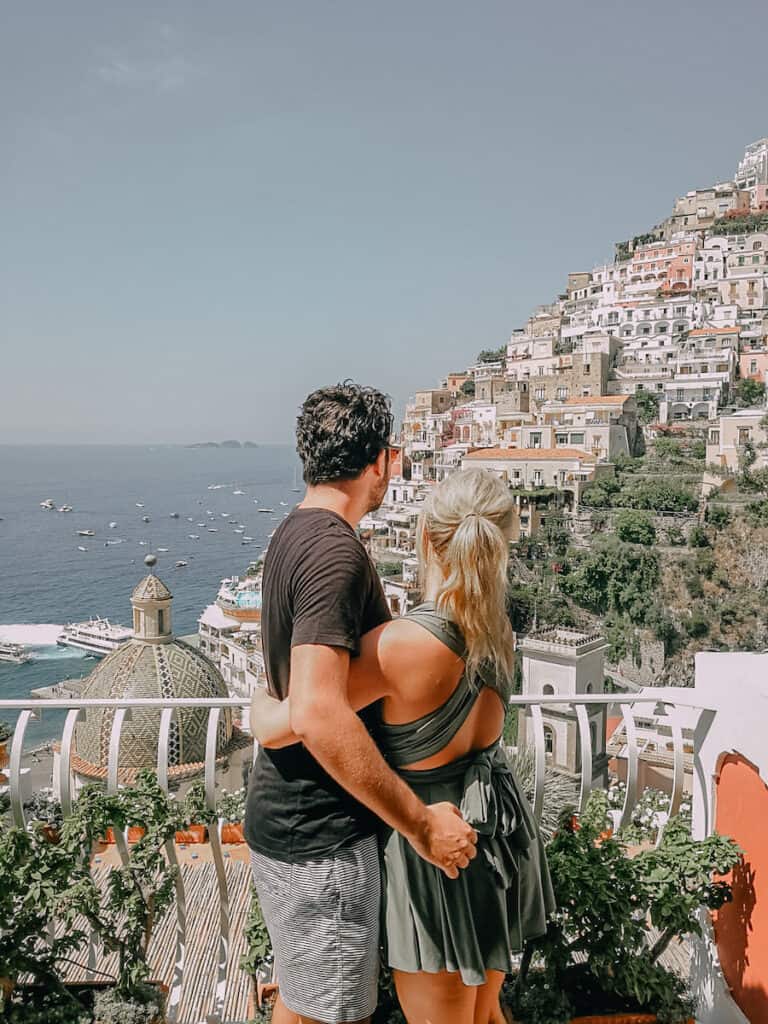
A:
231,806
651,811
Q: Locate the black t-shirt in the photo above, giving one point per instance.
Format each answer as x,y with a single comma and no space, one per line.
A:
319,587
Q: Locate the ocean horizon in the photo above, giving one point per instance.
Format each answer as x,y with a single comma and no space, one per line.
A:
48,581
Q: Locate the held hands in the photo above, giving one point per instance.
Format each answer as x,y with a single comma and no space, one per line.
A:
446,840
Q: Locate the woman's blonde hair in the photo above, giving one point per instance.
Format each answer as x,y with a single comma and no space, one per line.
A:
466,523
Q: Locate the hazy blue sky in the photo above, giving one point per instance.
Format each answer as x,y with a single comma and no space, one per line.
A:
208,209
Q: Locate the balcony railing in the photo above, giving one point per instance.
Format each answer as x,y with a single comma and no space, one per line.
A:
231,889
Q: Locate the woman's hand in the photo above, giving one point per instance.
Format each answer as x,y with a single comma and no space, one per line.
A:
270,720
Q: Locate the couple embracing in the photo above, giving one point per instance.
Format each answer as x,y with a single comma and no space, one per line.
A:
383,818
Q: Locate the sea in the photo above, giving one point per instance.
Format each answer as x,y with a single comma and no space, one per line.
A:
46,581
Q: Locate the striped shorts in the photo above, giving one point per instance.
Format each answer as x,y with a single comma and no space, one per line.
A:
323,919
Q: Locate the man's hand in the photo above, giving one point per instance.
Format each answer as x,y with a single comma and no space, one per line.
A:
446,840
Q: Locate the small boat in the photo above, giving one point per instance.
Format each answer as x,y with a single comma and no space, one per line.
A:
174,515
163,550
201,524
181,563
65,508
139,504
81,548
190,519
15,653
142,543
225,515
113,526
245,543
239,530
146,519
212,529
265,510
111,543
284,504
194,536
238,492
248,539
86,533
48,504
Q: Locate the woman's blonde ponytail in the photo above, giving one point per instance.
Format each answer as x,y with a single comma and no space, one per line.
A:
466,523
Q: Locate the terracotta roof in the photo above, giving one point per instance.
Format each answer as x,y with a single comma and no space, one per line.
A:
597,400
713,330
530,454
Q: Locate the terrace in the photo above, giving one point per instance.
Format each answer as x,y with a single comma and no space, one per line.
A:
196,947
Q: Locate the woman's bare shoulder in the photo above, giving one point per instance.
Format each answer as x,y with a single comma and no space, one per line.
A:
402,640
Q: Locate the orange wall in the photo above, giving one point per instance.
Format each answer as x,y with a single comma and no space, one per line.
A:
741,927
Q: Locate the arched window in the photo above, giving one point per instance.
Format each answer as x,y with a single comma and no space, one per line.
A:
548,689
549,740
589,688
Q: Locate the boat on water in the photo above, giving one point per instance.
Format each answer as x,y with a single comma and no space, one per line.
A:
225,515
212,529
139,504
146,519
239,597
174,515
194,536
248,539
111,543
238,492
113,526
96,636
86,533
81,548
239,530
201,524
15,653
270,510
65,508
181,563
163,550
48,504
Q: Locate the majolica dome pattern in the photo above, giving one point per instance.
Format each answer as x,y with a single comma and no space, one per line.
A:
139,669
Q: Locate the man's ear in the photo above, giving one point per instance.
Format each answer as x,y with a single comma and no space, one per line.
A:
381,465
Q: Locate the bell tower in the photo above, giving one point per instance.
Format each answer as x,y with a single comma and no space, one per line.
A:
151,602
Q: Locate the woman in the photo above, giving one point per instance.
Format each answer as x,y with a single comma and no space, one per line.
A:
442,674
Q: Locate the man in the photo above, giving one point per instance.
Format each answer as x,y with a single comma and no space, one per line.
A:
312,807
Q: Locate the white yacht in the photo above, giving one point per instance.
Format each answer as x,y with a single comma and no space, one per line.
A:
48,504
15,653
86,533
65,508
96,636
113,526
265,510
181,563
238,492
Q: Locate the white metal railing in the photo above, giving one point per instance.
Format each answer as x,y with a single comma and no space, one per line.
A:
535,706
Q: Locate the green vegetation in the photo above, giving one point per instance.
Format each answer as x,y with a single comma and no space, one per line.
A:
647,406
614,577
468,388
596,957
745,225
635,527
492,355
748,393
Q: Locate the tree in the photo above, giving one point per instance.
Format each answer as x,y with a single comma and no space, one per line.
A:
697,537
614,577
468,388
749,392
635,527
661,495
647,406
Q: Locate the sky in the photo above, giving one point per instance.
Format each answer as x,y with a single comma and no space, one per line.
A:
209,209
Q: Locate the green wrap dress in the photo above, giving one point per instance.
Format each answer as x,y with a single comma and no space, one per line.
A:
474,923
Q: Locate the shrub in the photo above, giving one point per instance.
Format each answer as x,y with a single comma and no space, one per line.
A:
660,495
635,527
675,536
697,537
697,625
614,577
718,516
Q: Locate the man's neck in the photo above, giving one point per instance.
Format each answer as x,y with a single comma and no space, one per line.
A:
342,501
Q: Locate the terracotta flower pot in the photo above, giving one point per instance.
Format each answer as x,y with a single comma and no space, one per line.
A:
51,833
3,753
135,832
232,833
619,1018
192,834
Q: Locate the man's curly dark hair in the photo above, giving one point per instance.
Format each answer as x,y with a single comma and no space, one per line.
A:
341,430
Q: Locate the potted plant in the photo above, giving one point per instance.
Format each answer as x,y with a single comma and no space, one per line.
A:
123,911
596,957
36,876
44,810
231,812
197,816
257,962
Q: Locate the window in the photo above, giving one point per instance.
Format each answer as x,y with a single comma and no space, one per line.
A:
714,437
539,394
160,620
561,439
753,366
577,439
535,441
680,395
548,689
562,394
549,740
586,367
538,478
744,434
